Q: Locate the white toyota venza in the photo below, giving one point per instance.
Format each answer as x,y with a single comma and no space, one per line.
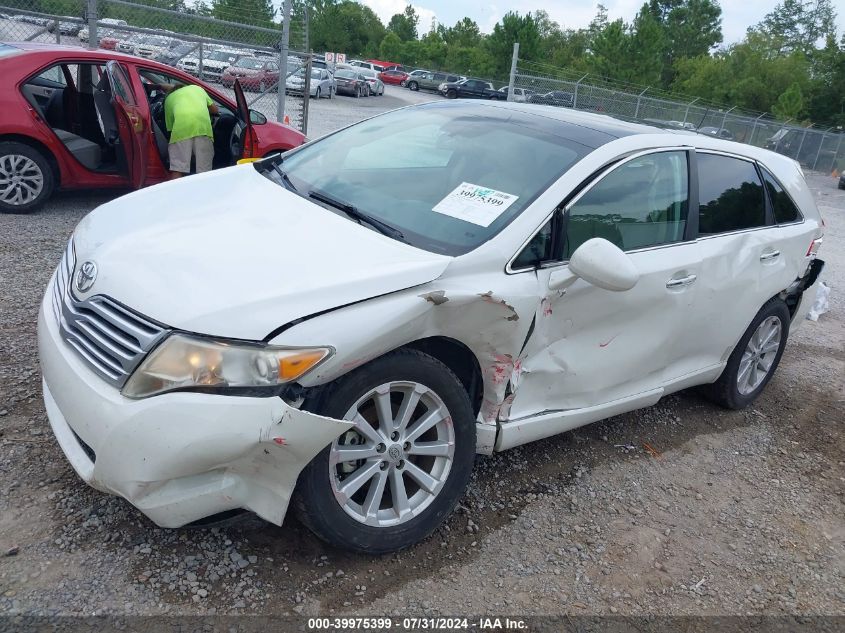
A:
342,328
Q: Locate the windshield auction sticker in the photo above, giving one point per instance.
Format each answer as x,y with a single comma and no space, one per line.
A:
472,203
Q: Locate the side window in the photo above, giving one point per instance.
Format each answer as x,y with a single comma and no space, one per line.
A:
54,75
120,83
730,195
783,206
643,202
439,77
538,250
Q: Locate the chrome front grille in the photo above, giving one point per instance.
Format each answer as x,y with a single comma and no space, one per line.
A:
111,338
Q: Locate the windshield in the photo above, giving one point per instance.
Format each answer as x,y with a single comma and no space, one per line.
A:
222,56
345,74
249,62
414,168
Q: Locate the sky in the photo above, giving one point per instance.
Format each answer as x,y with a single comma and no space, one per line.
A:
737,15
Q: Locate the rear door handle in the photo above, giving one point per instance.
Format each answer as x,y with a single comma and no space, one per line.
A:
767,256
683,281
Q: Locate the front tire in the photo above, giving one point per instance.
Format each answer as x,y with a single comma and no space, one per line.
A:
26,177
451,94
413,85
395,476
754,359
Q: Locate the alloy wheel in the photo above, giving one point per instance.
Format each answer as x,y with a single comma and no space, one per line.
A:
759,355
21,179
393,463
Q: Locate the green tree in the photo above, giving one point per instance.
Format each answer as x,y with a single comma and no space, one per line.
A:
513,28
465,33
691,28
798,25
391,47
254,12
790,103
405,24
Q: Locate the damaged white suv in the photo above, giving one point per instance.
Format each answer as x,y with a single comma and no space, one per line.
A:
346,326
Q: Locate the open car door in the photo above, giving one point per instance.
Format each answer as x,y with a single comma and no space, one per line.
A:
242,143
130,123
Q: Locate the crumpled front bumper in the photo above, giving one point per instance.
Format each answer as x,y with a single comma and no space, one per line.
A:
177,457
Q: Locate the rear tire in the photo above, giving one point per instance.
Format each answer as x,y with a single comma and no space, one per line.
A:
755,358
405,487
30,174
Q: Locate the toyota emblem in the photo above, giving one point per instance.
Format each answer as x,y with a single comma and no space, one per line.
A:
85,276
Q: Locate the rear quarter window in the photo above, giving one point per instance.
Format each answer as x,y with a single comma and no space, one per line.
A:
784,208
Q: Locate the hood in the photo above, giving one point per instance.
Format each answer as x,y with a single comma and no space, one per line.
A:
232,254
212,63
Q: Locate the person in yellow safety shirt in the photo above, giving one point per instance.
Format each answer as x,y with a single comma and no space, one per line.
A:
187,116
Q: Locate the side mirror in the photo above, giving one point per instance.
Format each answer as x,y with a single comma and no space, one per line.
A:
603,264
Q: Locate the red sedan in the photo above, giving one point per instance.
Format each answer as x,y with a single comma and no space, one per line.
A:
395,77
80,119
254,73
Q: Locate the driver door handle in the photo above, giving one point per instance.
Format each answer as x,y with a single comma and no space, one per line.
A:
768,256
683,281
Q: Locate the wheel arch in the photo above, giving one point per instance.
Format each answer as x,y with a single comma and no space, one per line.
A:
40,147
460,359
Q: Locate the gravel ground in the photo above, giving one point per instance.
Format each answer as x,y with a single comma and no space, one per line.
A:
741,512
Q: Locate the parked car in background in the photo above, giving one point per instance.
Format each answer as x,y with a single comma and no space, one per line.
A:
151,46
114,106
350,82
717,132
385,65
470,89
322,83
394,77
430,81
110,39
372,78
66,26
369,65
520,95
213,63
127,45
558,98
475,277
172,56
254,73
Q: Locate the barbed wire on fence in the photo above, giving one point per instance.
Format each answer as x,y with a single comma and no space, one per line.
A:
814,147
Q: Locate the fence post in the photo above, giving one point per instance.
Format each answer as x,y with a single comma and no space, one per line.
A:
689,105
639,99
201,55
800,145
283,62
754,129
725,118
821,144
306,95
56,31
575,96
512,77
91,18
834,164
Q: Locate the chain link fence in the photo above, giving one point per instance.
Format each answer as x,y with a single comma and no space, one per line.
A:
815,148
217,48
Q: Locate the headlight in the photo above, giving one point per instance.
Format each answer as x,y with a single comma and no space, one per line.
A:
191,362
